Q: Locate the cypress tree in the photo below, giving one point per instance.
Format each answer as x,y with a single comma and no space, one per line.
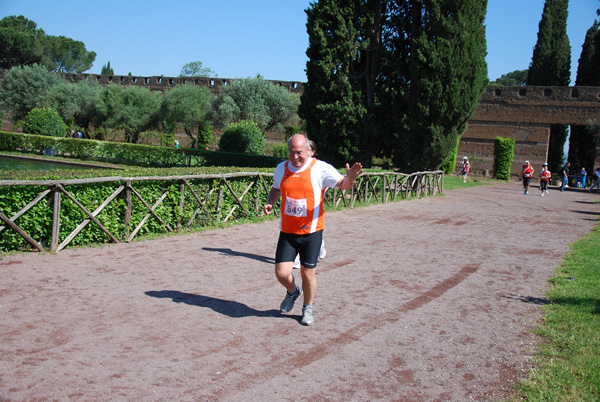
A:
551,65
396,78
588,71
440,81
330,104
582,141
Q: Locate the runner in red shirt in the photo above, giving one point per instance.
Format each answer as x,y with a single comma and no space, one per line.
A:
544,179
527,175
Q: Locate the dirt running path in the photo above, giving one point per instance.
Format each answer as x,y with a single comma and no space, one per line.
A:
426,300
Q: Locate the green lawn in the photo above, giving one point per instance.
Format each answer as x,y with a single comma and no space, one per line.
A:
568,358
453,182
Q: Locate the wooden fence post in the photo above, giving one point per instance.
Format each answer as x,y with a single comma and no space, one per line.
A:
220,201
55,218
181,197
127,209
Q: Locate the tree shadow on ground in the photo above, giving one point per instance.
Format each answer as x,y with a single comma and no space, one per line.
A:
585,212
528,299
228,251
586,302
229,308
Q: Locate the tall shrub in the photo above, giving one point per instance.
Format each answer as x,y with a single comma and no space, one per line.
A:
44,121
243,137
450,163
504,153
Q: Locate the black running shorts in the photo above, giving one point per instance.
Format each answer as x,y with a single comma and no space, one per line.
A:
308,246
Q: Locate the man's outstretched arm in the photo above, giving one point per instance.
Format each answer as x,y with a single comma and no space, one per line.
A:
352,173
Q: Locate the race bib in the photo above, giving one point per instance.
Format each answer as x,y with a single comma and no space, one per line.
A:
295,207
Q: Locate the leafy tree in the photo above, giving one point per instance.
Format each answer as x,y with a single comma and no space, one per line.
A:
515,78
132,109
20,42
44,121
76,103
107,70
66,55
551,65
393,78
195,69
188,107
243,137
268,105
24,88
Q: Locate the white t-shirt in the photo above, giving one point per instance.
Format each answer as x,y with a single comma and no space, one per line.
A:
322,173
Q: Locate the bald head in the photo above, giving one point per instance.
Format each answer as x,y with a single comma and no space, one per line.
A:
298,150
298,140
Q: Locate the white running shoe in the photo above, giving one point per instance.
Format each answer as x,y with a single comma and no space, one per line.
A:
297,262
322,252
307,315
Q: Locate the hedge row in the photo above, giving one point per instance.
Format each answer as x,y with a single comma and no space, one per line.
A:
131,154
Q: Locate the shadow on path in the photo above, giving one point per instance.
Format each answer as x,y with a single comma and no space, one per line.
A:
528,299
228,251
226,307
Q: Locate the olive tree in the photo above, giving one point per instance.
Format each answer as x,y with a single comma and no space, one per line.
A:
188,107
24,88
268,105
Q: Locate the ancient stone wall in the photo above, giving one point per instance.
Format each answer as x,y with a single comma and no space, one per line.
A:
162,83
526,114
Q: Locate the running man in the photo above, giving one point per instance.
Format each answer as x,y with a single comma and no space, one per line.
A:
300,182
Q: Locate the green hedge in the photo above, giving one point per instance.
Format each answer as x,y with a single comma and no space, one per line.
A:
132,154
504,153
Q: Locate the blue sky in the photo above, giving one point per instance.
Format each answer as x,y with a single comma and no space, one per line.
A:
241,38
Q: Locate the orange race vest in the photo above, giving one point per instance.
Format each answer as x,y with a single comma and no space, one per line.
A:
301,202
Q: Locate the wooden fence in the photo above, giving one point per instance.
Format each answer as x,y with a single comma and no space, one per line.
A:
380,187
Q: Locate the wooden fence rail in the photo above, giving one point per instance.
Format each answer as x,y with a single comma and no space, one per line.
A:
246,200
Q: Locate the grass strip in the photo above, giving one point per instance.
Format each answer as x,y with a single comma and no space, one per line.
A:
568,359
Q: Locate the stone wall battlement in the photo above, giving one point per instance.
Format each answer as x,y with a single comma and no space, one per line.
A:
159,83
541,95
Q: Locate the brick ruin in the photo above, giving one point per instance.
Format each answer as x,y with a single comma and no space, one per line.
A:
526,114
